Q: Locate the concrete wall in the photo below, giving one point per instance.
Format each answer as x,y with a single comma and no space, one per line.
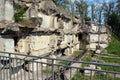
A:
93,37
104,38
48,21
6,10
103,29
23,45
68,38
39,42
36,42
7,45
53,40
56,24
2,9
96,38
67,25
9,11
93,28
92,46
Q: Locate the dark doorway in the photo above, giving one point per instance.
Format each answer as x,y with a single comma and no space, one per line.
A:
15,41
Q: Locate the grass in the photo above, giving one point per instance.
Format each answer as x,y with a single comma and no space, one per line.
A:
113,51
109,55
114,46
109,68
88,58
76,53
78,76
48,71
63,62
97,76
111,60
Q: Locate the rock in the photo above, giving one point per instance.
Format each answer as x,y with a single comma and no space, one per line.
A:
99,68
93,66
89,72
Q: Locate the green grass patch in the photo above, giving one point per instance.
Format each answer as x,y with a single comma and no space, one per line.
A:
63,62
97,76
78,76
114,46
109,55
101,76
110,60
47,71
109,68
88,58
76,53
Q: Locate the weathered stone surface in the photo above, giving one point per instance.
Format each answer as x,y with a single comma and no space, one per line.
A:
6,10
89,72
2,9
98,35
9,10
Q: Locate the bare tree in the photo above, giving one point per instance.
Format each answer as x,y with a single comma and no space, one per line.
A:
81,9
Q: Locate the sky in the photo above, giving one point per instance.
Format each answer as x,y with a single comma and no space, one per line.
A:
97,4
101,1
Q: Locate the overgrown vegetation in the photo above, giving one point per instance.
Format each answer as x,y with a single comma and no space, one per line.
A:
97,76
113,54
63,62
109,68
114,46
88,58
76,53
111,60
48,71
19,11
109,55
